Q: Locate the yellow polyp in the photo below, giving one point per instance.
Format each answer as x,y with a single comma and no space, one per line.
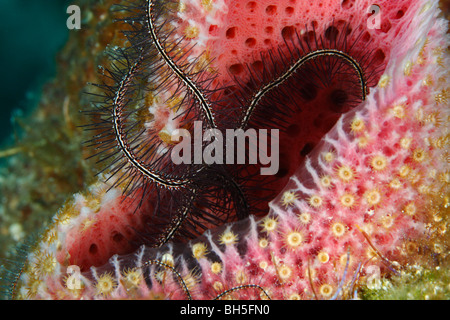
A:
442,81
304,218
379,163
157,296
207,4
191,32
315,201
373,197
415,177
263,243
437,51
434,119
368,227
284,272
295,296
167,259
424,189
216,267
63,219
398,111
440,142
328,156
420,115
444,178
181,6
49,236
405,143
289,198
325,181
425,43
421,58
384,81
45,264
442,97
326,290
133,278
338,229
387,221
228,238
410,209
428,81
363,141
395,184
105,284
218,286
345,173
294,239
199,250
92,202
190,280
440,62
404,171
445,156
432,173
88,224
269,224
348,200
69,211
323,257
240,277
407,68
357,125
32,287
419,155
263,265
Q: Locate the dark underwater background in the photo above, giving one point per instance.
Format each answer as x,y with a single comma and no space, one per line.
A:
31,33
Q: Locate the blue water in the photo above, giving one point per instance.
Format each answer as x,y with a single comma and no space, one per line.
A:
31,33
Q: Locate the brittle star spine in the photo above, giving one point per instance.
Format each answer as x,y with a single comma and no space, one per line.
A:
245,286
118,106
180,279
197,92
297,65
176,222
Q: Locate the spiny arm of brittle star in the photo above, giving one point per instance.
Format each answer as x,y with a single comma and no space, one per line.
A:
296,66
118,106
190,84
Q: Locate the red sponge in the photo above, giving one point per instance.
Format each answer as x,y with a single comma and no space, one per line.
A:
112,230
251,27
